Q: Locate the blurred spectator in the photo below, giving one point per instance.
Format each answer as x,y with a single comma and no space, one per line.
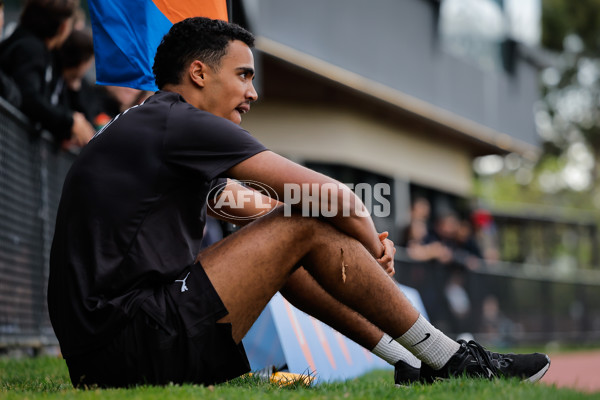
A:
500,329
417,231
76,57
455,237
443,236
486,234
458,299
445,229
8,88
467,250
29,57
453,247
465,238
420,210
419,250
419,215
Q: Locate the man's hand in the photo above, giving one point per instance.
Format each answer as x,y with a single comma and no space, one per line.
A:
387,260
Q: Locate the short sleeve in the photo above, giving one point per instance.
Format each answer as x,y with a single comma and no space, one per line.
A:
200,143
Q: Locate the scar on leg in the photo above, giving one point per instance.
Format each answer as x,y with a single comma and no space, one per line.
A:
344,265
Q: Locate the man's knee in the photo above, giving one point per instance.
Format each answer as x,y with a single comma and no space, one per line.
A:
302,227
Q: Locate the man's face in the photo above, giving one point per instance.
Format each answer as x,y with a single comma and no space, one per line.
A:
228,90
74,75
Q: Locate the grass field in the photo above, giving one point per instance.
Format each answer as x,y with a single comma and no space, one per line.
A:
47,378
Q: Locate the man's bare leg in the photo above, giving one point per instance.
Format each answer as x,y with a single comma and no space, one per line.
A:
302,291
306,294
250,266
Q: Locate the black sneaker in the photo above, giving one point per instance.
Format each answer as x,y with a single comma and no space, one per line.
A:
475,361
405,374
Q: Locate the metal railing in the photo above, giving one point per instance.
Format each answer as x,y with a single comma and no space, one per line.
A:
504,304
31,173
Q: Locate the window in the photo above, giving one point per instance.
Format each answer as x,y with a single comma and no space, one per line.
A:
473,29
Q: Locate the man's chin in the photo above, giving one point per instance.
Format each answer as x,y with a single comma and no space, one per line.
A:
236,117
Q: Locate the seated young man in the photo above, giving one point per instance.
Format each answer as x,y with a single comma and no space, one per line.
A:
131,299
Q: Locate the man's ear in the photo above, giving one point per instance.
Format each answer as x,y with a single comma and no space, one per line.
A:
197,72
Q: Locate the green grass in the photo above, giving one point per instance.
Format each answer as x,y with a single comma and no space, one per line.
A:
47,378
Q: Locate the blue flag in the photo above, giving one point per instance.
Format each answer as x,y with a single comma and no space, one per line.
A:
128,32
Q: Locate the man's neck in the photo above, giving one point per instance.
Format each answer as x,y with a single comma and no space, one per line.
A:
190,94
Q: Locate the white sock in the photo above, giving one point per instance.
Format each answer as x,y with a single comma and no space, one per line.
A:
428,343
392,352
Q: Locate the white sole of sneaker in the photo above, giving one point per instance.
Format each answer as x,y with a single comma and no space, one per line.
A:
539,374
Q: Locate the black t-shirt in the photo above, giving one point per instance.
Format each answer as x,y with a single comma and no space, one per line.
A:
132,213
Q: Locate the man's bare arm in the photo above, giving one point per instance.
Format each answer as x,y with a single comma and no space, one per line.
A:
276,171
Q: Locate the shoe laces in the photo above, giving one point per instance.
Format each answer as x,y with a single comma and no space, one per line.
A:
489,362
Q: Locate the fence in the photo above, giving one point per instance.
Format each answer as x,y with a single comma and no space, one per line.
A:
503,303
31,173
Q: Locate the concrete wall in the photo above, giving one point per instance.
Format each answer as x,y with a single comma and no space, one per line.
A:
309,133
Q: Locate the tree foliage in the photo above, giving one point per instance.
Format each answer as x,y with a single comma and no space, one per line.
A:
561,18
568,117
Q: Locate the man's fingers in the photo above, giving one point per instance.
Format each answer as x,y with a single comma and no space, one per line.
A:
385,259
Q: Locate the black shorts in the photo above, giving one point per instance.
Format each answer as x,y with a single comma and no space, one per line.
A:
173,338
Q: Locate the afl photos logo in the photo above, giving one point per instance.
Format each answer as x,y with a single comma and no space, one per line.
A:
224,203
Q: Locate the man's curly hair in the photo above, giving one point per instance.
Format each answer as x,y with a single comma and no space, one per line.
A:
192,39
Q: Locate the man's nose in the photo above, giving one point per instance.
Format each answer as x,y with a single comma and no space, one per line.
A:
252,94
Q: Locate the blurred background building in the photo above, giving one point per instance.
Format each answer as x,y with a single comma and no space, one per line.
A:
408,92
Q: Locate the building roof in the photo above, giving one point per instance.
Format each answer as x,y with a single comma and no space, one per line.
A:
393,103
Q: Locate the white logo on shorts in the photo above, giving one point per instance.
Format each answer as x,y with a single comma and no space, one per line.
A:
183,286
